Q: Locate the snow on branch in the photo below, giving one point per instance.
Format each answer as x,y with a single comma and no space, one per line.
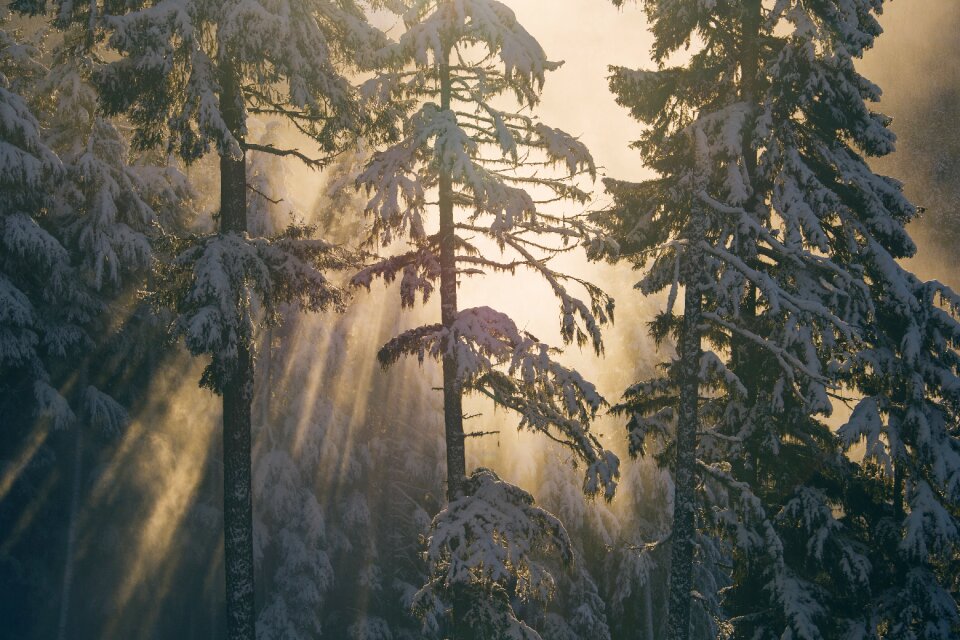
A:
484,549
517,372
219,284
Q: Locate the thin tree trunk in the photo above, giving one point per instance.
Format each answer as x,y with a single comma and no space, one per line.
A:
66,587
684,501
452,386
237,396
898,508
741,349
648,610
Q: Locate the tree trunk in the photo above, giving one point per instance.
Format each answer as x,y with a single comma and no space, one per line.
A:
684,501
66,587
899,513
648,610
741,350
452,385
237,395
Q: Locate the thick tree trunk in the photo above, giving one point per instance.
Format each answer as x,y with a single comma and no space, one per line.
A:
684,501
452,385
237,397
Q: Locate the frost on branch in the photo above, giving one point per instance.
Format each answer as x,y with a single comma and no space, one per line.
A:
420,269
494,358
483,550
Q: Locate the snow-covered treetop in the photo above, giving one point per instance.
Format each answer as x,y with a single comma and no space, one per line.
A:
495,159
287,57
436,26
484,549
772,168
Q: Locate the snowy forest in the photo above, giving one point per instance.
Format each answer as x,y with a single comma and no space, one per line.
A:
479,319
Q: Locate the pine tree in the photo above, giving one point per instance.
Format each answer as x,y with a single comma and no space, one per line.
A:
189,75
456,63
767,213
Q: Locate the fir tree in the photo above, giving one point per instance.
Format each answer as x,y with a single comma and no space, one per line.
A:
189,75
455,64
906,421
767,213
46,306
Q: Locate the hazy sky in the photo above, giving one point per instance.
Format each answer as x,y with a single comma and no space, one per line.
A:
590,35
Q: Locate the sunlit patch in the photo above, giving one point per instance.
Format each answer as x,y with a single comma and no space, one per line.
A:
162,458
32,443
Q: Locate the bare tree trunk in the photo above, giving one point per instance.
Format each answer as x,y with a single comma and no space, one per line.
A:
237,395
452,386
684,502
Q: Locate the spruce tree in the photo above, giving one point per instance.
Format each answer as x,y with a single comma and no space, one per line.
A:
455,66
189,75
101,209
768,214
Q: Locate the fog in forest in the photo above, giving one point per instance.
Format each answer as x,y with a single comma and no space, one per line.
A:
331,425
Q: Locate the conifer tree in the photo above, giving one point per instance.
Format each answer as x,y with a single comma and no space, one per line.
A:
455,65
189,75
43,308
767,213
100,209
906,420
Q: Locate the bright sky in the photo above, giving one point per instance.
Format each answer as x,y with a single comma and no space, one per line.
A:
590,35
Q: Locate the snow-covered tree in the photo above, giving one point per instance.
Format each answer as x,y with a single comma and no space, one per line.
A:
189,75
45,308
766,212
454,70
45,305
100,205
100,208
906,422
481,554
